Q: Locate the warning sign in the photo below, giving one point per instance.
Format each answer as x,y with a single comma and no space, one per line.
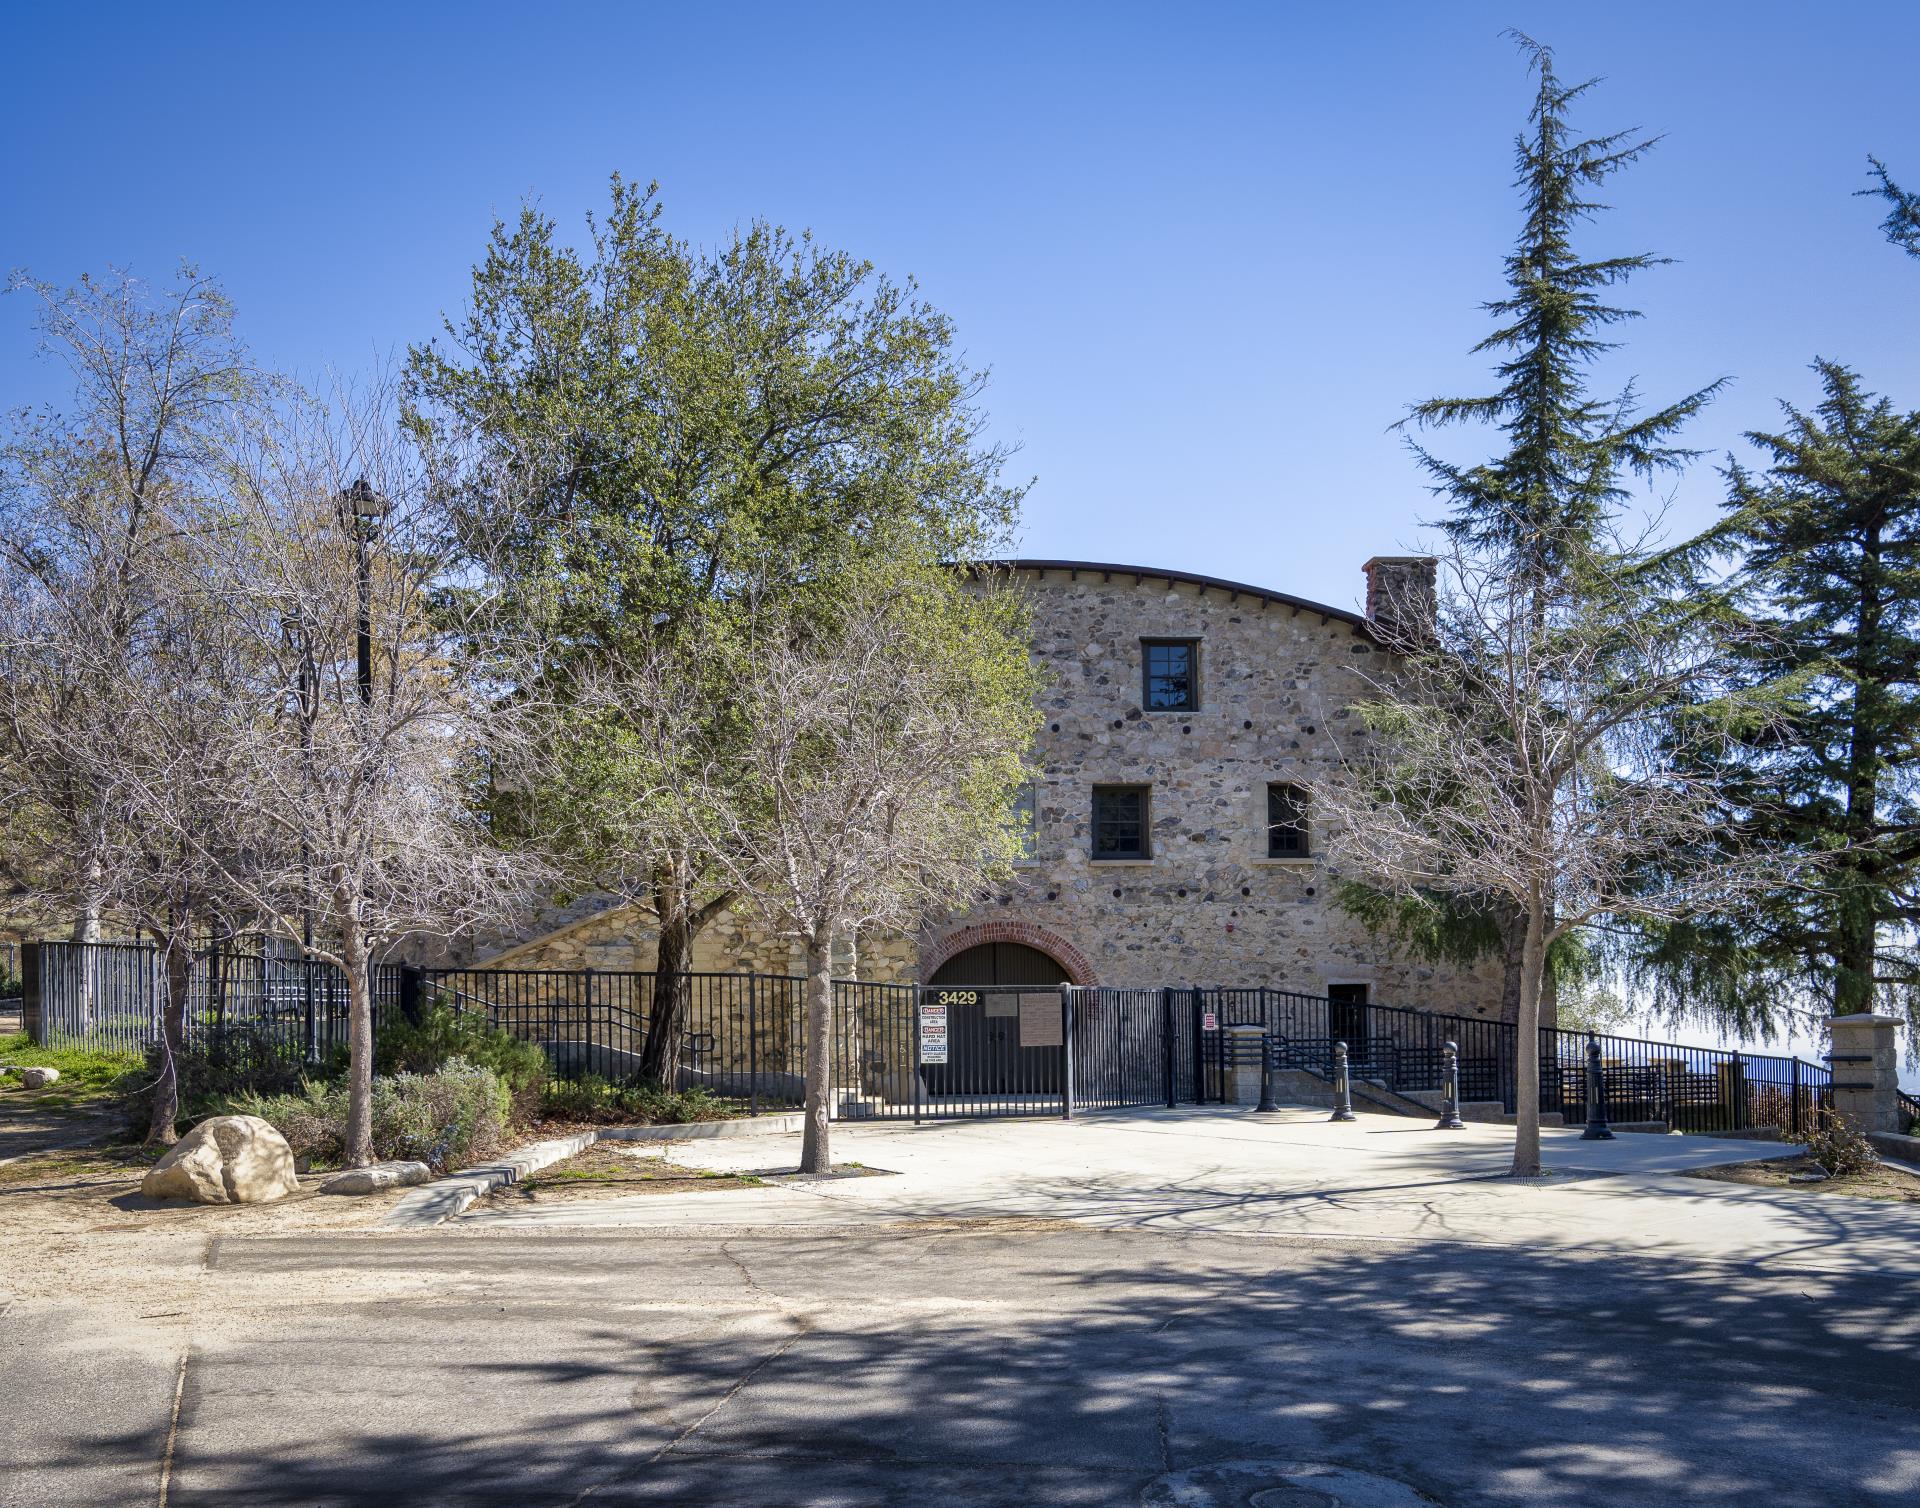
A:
933,1030
1209,1022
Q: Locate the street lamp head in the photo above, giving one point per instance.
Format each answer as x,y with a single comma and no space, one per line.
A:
367,506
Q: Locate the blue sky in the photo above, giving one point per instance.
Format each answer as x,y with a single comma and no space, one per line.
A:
1209,252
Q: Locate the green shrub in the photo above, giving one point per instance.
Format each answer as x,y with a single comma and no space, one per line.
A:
446,1118
445,1035
1838,1147
594,1099
236,1059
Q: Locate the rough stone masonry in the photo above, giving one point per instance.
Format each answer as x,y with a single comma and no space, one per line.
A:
1276,678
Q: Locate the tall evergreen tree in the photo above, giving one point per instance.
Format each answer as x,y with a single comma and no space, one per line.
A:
1902,225
1545,500
1828,586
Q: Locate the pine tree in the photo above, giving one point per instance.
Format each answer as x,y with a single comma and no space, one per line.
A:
1828,540
1549,495
1902,225
1547,498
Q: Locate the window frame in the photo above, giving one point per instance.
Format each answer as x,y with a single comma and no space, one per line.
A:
1301,826
1192,646
1144,852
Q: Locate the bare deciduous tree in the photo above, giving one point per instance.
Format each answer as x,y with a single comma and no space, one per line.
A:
105,683
871,778
1536,746
370,715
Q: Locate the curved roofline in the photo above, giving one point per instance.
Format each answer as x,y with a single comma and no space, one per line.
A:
1205,583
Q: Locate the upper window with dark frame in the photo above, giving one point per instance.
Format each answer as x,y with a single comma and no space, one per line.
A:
1120,822
1286,822
1170,675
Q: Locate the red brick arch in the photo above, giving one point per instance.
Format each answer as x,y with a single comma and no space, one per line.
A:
1062,952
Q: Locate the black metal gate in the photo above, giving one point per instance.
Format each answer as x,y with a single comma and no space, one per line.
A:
946,1052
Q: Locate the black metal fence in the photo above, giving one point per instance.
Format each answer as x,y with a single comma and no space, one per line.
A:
109,996
901,1051
1689,1088
741,1034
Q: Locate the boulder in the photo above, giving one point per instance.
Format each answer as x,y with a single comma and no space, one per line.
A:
39,1078
377,1177
229,1159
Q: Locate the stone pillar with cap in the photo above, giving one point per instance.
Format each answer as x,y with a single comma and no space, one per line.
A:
1246,1048
1866,1071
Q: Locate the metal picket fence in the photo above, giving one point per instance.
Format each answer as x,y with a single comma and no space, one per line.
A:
905,1051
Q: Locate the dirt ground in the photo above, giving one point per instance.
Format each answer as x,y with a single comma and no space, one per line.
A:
97,1189
615,1170
1882,1182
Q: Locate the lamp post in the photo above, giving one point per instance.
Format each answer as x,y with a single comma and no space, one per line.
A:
366,508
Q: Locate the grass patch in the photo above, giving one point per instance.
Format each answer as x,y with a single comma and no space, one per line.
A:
604,1171
90,1079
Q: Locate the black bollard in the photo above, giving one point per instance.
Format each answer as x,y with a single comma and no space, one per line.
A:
1342,1091
1597,1128
1450,1104
1269,1052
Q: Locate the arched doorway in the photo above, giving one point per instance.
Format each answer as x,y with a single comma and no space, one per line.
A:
1003,1026
1000,963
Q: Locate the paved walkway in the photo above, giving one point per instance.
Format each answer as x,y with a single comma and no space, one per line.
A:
1223,1170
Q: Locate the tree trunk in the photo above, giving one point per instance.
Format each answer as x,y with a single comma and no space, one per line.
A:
359,1134
666,1022
176,973
1526,1067
1512,960
814,1156
86,930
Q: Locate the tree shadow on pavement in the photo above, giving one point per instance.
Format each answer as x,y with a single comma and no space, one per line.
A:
960,1365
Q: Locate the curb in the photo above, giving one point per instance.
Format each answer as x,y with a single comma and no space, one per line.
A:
758,1125
440,1201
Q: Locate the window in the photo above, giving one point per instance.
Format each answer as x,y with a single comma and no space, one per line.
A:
1120,822
1026,821
1286,822
1170,682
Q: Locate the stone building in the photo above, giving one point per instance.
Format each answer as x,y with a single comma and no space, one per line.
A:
1170,837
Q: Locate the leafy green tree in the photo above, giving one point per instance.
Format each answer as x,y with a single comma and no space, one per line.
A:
891,715
1558,481
1827,590
633,433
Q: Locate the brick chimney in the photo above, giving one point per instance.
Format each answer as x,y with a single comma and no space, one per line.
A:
1400,596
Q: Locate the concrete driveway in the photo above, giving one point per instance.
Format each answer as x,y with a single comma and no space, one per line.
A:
1185,1330
1225,1171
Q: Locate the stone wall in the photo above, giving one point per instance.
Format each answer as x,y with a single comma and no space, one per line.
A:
620,938
1277,679
1277,682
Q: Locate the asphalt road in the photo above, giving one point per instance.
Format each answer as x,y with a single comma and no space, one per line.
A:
989,1363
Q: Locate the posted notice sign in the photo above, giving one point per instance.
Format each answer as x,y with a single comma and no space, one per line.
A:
933,1029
